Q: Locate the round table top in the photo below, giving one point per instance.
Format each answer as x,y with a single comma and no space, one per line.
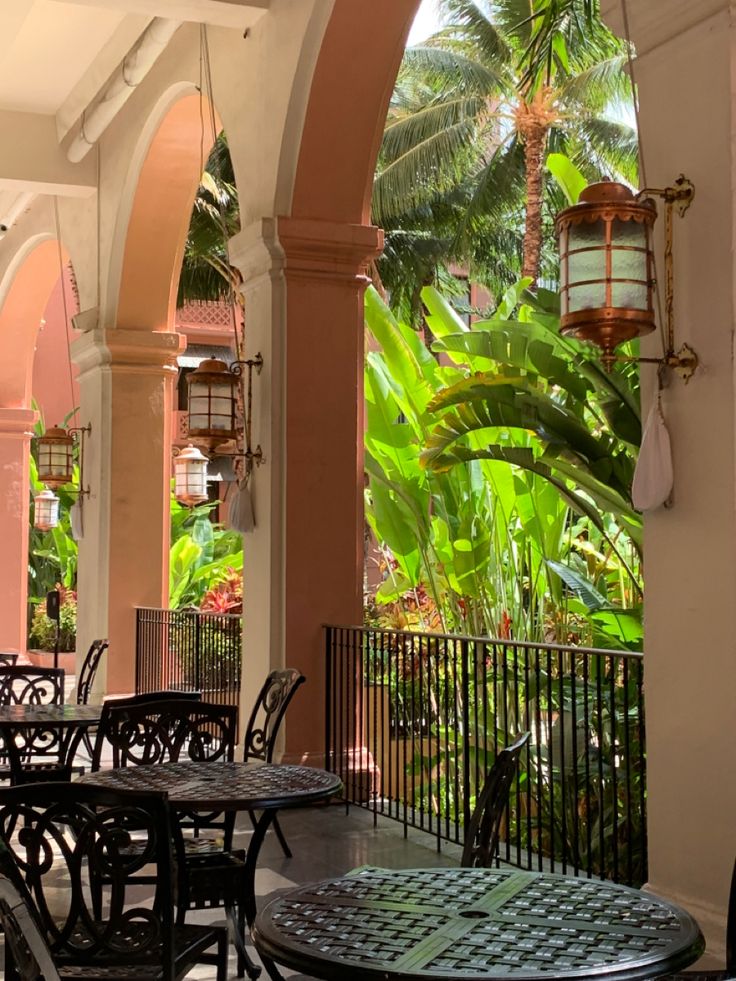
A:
58,716
225,786
474,924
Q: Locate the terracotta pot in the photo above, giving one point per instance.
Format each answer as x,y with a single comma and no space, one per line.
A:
45,659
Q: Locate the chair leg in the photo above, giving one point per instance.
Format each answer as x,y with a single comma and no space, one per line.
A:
222,949
282,840
271,970
236,918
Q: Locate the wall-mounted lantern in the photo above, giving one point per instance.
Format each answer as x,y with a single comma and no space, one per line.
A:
607,269
56,456
212,413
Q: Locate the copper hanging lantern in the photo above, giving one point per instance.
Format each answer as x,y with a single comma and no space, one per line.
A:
212,403
55,457
607,267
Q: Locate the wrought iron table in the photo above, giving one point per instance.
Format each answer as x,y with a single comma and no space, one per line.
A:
49,730
214,787
475,925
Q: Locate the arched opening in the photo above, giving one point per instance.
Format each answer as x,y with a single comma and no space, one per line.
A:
32,296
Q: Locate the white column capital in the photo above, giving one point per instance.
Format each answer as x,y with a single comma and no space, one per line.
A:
123,350
256,252
655,22
17,423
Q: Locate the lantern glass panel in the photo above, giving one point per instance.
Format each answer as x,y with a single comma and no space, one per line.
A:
633,296
588,235
191,480
632,234
626,264
46,511
585,266
211,406
55,459
588,297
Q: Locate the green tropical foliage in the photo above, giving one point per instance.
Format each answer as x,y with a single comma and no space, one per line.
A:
499,467
206,273
461,176
202,555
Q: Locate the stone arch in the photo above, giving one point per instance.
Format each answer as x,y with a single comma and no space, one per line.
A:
24,295
156,206
25,290
349,114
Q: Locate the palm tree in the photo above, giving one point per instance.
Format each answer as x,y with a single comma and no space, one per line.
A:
475,112
206,273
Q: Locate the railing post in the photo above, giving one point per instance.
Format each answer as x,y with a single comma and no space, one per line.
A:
197,653
465,695
138,634
328,699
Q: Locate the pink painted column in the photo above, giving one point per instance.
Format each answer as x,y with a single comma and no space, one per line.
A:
325,285
126,380
304,283
16,429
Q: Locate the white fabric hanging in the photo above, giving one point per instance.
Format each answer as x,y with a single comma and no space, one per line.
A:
76,519
240,513
654,476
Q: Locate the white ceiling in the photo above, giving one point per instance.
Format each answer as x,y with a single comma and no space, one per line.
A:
57,57
48,47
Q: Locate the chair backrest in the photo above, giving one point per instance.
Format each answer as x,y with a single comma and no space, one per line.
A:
268,713
123,701
69,842
482,834
89,669
23,685
31,956
7,658
170,730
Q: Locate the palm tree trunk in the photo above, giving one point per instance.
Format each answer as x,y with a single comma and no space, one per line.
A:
534,144
535,115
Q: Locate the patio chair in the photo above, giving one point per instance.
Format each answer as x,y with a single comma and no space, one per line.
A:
88,671
27,956
265,721
40,749
73,849
217,879
7,658
123,701
482,834
21,684
730,971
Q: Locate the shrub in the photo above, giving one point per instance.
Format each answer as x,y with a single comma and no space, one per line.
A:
43,630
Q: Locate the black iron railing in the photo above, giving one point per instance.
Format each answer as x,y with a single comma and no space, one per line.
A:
190,651
414,721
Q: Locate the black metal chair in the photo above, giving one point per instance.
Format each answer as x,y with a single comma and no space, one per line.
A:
27,956
123,701
482,834
265,721
217,879
73,845
7,658
86,679
21,684
42,750
88,671
166,730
